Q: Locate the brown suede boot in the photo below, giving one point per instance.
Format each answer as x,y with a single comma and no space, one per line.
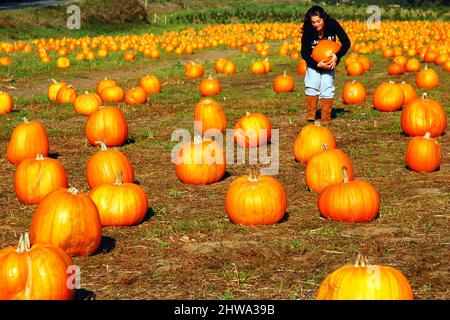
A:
327,105
311,107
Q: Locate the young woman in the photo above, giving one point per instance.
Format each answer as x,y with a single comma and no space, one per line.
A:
319,78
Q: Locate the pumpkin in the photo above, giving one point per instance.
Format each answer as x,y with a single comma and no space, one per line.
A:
210,87
252,130
27,141
54,88
37,272
283,83
310,140
353,93
325,169
409,92
219,65
441,59
254,199
363,281
258,67
35,178
365,62
427,78
136,95
129,56
412,65
104,166
430,55
102,84
62,63
267,65
423,115
423,154
6,102
349,201
324,49
229,68
209,115
301,67
66,95
107,124
120,204
87,103
355,68
150,84
194,70
446,66
112,94
200,162
68,219
396,69
388,96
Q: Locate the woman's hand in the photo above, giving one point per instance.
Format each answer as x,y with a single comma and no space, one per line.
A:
328,63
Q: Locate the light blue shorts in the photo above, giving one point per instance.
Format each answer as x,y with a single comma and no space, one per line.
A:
319,83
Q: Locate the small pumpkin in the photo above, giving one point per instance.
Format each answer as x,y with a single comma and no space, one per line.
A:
388,97
136,95
409,92
102,84
283,83
38,272
113,94
363,281
194,70
210,87
301,67
252,130
107,124
353,93
310,141
427,78
258,67
150,84
62,63
68,219
254,199
6,103
54,88
412,65
66,95
396,69
355,68
423,154
87,103
209,115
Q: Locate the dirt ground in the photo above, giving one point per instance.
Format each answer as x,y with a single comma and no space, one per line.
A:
187,248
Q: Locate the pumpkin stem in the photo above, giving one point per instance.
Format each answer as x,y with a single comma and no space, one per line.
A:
210,76
54,81
317,123
73,191
254,173
40,157
24,243
284,73
247,113
345,174
86,92
427,135
424,95
119,180
25,120
324,147
103,146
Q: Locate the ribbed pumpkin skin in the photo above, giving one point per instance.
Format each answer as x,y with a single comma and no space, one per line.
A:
210,114
54,88
38,274
427,79
409,92
247,130
150,84
87,103
423,115
354,201
325,168
112,94
195,163
27,141
6,103
310,140
373,282
283,83
252,203
35,178
69,221
423,154
324,49
388,97
105,165
107,124
210,87
120,205
353,93
102,84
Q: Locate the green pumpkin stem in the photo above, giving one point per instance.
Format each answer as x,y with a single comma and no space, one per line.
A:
119,180
345,174
24,243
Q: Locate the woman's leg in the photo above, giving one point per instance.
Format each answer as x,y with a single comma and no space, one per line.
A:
327,90
312,91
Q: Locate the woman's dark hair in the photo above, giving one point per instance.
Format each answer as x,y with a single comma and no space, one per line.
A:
314,11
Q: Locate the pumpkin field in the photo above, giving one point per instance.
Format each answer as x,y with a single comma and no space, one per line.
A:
89,179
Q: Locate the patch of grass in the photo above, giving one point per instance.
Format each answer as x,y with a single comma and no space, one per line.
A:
226,295
175,193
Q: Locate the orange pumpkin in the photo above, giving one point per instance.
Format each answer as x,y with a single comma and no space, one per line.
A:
54,88
136,95
200,162
66,95
150,84
283,83
349,201
68,219
209,115
363,281
6,103
310,141
355,68
423,154
38,272
255,199
87,103
210,87
412,65
120,204
353,93
219,65
102,84
194,70
229,68
252,130
107,124
258,68
388,96
112,94
35,178
396,69
62,63
427,78
301,67
324,49
27,141
409,92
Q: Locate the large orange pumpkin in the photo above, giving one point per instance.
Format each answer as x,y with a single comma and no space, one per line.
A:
38,272
363,281
35,178
209,115
324,49
388,96
252,130
353,93
27,141
310,141
68,219
255,199
107,124
349,201
423,154
427,78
